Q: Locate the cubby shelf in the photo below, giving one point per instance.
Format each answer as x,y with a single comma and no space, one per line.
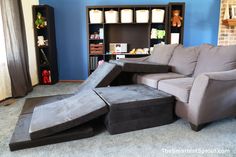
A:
46,55
136,35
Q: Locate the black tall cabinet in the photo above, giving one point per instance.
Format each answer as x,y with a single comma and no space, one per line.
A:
46,51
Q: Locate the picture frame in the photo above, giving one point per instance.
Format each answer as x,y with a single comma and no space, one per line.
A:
233,11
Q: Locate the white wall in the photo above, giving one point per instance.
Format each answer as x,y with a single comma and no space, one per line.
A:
28,18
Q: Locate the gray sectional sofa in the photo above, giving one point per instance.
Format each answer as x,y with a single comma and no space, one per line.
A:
203,80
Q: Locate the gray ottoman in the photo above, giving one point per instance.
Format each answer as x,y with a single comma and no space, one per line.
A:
135,107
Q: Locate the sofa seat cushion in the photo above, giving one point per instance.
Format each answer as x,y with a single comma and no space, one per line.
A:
161,54
153,79
180,87
215,59
184,60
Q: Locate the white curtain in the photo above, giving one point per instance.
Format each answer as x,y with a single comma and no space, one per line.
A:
5,82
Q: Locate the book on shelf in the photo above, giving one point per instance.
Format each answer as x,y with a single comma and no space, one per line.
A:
93,62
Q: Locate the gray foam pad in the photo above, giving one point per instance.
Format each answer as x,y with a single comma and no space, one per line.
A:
136,107
140,67
85,105
62,115
21,137
31,103
117,95
101,77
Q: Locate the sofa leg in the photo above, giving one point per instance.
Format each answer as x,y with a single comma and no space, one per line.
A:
197,127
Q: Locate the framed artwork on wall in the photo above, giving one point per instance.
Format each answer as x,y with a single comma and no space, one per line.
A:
233,8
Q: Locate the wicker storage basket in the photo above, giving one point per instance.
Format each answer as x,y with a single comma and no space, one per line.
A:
111,16
126,16
158,15
142,16
96,16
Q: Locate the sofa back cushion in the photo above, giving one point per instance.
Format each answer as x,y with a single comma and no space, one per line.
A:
215,59
184,60
162,53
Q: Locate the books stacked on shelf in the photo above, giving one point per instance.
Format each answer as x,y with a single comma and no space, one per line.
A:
93,62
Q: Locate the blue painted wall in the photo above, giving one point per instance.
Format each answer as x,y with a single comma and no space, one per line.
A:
201,26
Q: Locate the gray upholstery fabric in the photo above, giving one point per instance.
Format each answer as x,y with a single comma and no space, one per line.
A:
136,107
162,53
85,105
140,59
212,97
153,79
181,109
21,139
101,77
179,87
66,114
184,60
140,67
214,59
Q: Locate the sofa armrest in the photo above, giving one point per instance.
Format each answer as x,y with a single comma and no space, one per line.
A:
212,97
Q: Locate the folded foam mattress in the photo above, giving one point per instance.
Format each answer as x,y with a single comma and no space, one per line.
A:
78,109
62,115
21,138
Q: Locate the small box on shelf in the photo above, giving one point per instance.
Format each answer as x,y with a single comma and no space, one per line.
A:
118,47
96,49
174,38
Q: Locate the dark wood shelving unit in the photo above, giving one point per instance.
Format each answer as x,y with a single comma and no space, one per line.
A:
47,60
171,29
136,35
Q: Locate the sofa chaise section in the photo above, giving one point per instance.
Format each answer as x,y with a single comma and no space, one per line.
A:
212,96
203,82
180,87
